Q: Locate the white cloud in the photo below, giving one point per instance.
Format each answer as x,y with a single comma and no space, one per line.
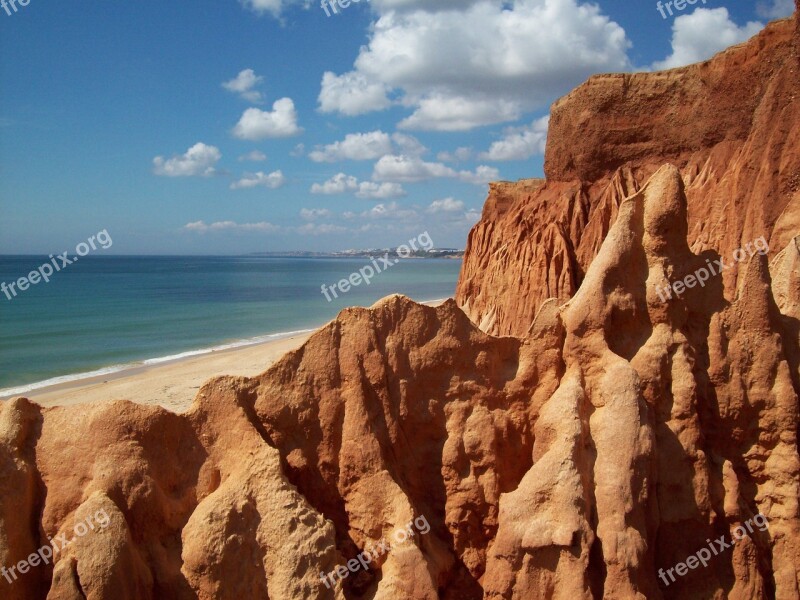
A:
408,169
445,205
198,161
408,144
201,227
352,94
343,184
445,214
257,124
310,214
254,156
777,9
298,150
440,112
458,155
355,146
488,62
367,146
250,180
338,184
390,211
369,189
411,169
519,143
482,175
243,85
700,35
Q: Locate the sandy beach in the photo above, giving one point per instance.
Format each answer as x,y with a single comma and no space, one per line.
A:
172,385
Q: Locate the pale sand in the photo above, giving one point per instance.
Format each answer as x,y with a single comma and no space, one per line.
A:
172,385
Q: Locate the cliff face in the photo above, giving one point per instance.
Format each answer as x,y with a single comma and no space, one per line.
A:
593,455
583,460
732,127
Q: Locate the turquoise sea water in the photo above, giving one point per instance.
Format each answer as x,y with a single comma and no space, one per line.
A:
104,313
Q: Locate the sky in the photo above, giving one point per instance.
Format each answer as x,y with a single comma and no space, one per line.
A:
239,126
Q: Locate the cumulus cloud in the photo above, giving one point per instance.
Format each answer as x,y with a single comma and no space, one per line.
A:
250,180
355,146
700,35
408,145
257,124
519,143
253,156
352,94
447,212
440,112
445,205
198,161
244,84
202,227
338,184
411,169
481,176
367,146
343,184
371,190
457,217
390,211
777,9
487,63
388,217
408,169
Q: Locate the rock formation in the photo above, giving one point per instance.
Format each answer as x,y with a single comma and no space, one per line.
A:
730,124
619,431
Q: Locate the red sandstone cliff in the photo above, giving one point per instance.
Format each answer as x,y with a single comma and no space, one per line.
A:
730,124
601,446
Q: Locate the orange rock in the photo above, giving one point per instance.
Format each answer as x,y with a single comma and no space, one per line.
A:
612,438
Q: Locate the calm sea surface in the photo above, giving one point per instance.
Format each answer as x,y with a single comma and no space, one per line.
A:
105,313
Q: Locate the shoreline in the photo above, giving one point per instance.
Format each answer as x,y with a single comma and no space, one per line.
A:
112,372
171,381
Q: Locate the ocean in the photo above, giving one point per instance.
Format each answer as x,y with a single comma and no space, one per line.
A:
106,314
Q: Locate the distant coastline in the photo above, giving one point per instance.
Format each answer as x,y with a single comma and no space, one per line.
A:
392,252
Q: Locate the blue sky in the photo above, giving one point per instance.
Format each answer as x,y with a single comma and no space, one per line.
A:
225,127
